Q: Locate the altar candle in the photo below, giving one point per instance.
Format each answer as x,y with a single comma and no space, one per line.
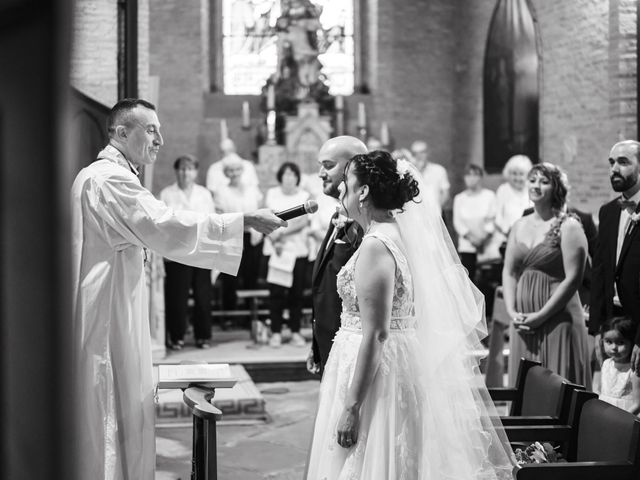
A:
271,98
224,132
246,115
384,134
362,115
339,102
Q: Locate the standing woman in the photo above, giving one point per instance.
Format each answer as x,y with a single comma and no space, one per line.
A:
288,251
474,212
543,268
239,196
512,197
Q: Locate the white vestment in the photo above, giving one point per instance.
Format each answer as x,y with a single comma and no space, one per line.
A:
114,217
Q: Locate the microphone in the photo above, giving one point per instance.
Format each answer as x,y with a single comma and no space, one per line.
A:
310,206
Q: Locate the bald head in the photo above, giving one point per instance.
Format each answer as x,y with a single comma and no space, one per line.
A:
333,157
627,146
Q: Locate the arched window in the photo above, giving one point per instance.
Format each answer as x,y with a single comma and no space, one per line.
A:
250,30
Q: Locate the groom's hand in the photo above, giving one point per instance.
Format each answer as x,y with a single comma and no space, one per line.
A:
312,366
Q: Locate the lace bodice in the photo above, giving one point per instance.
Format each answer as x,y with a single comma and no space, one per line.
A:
402,310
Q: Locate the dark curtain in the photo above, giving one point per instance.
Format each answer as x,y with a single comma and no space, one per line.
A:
511,85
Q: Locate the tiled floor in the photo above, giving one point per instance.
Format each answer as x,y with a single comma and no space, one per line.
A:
254,451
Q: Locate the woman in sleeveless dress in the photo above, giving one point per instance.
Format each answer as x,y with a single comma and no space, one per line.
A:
543,268
401,397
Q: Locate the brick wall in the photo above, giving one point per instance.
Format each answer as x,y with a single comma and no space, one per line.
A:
588,98
424,63
413,75
94,61
94,58
176,57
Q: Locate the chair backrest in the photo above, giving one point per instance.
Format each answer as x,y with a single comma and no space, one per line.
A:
543,392
607,433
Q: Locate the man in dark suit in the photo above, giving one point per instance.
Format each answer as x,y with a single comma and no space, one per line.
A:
340,241
615,288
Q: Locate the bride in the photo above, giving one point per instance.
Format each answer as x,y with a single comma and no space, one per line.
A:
402,396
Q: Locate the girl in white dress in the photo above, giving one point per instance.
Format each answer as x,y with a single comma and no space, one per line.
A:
620,386
401,395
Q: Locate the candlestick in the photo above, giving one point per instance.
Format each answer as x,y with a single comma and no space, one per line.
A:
246,115
339,122
339,102
362,115
271,98
224,132
384,134
271,127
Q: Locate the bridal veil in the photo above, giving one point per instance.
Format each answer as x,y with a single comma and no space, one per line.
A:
464,438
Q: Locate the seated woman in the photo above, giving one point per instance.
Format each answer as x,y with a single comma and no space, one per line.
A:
543,268
289,252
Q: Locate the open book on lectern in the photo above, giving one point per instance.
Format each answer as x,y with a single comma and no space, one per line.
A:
211,375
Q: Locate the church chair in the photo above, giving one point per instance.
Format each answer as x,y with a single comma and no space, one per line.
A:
540,397
603,443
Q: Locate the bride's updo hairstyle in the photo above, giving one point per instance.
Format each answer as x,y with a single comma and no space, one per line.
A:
389,189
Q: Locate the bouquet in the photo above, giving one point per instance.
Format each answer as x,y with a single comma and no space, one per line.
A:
537,453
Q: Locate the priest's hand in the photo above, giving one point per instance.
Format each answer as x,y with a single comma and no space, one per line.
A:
263,220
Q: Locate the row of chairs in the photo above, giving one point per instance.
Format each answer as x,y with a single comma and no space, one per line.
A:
598,440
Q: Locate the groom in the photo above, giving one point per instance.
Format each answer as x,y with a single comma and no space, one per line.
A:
339,243
616,282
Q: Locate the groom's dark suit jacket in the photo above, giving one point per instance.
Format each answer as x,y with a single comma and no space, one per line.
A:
626,273
326,302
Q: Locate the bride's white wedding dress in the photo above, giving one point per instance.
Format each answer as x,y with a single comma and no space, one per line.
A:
409,426
390,434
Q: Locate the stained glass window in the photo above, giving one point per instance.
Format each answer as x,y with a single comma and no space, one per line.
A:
250,46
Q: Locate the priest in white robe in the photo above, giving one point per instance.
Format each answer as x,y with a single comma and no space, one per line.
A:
115,220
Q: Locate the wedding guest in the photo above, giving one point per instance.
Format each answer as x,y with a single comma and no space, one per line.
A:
185,194
473,218
115,219
616,263
619,386
374,143
215,174
436,180
238,197
403,154
288,250
340,241
512,197
543,268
